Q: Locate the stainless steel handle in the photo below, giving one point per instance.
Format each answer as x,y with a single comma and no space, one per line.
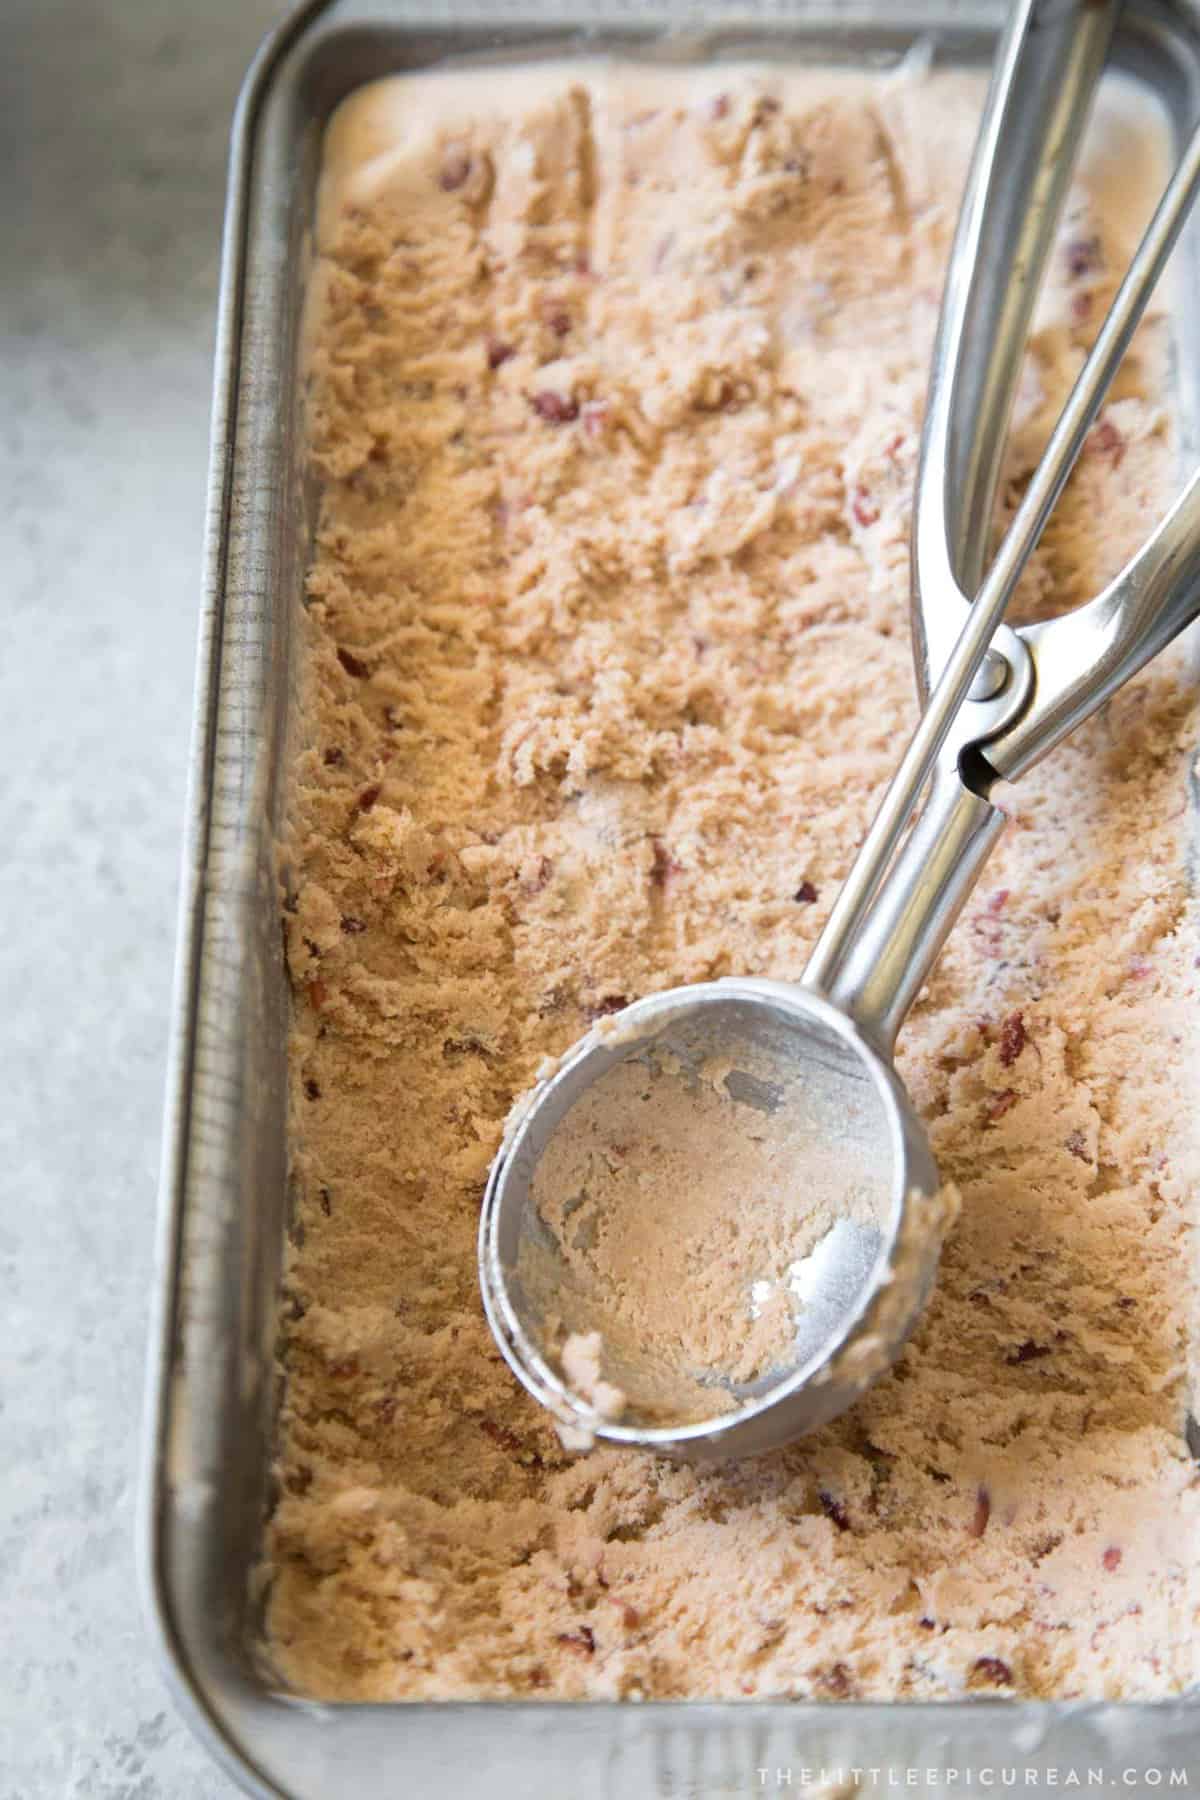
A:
1054,51
1044,78
900,939
1052,676
1080,661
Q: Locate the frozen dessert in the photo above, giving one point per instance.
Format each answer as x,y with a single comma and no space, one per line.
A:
582,1355
713,1184
616,380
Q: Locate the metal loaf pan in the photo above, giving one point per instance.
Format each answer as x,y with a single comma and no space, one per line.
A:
212,1390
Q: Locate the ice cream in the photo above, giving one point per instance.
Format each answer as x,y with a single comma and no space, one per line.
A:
616,383
680,1205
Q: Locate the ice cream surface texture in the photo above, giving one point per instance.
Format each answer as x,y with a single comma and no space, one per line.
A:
616,380
714,1184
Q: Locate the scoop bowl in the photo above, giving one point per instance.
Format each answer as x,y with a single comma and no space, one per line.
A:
857,1293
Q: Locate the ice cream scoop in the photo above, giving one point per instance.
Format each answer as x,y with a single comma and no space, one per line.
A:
816,1056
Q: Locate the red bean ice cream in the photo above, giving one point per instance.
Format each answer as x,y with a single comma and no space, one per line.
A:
615,388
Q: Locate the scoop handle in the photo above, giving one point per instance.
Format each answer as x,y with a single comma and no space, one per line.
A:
902,935
1075,664
1081,659
1046,69
1078,663
1043,81
897,905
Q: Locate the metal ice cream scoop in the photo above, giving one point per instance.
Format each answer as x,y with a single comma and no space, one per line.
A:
997,700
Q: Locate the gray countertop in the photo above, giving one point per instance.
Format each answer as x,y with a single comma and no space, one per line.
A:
114,121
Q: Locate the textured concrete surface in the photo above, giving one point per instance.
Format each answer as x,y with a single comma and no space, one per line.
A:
114,118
